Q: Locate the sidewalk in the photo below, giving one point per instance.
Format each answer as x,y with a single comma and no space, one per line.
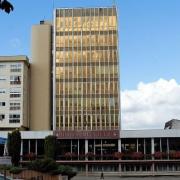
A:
127,178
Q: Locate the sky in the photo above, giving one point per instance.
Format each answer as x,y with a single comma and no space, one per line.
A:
149,39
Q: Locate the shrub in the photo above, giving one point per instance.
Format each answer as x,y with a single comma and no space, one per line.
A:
50,166
16,170
5,167
65,171
43,165
50,147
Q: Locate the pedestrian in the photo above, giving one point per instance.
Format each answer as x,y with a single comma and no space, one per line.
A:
102,175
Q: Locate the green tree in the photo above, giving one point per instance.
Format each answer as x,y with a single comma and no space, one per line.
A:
6,6
14,146
50,147
51,167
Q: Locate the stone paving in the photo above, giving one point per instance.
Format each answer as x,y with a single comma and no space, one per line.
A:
127,178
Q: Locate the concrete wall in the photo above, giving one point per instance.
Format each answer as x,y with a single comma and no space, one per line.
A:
25,112
11,66
40,103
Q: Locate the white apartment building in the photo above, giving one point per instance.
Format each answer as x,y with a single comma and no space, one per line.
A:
14,92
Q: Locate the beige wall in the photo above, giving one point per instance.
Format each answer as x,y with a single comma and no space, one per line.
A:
40,103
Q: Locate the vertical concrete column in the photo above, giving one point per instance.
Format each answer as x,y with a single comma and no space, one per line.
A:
71,146
137,148
94,147
29,144
168,147
86,151
119,145
119,150
5,149
21,153
152,145
144,146
78,148
36,146
86,146
160,142
101,148
152,152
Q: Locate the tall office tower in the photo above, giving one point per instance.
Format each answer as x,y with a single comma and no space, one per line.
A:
14,92
86,81
40,104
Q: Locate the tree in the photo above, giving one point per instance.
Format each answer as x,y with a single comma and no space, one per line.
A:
6,6
14,146
50,147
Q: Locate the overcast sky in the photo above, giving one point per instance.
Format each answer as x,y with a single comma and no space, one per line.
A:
149,38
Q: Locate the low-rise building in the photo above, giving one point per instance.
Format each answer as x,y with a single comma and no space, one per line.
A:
135,152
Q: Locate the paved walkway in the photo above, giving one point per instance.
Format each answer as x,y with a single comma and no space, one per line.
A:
127,178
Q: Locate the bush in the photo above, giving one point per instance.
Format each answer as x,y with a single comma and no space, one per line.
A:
68,171
50,147
43,165
16,170
65,171
5,167
50,166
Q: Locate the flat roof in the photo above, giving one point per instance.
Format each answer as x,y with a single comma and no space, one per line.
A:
95,7
14,58
29,134
150,133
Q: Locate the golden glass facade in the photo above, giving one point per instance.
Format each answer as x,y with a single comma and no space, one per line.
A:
86,67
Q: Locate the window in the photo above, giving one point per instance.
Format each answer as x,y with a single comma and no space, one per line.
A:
15,93
2,78
2,66
14,118
15,67
2,103
2,117
15,106
15,79
2,91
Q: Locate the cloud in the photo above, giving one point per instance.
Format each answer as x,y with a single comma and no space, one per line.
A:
150,105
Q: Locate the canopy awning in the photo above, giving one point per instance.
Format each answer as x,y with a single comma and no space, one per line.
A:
2,140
